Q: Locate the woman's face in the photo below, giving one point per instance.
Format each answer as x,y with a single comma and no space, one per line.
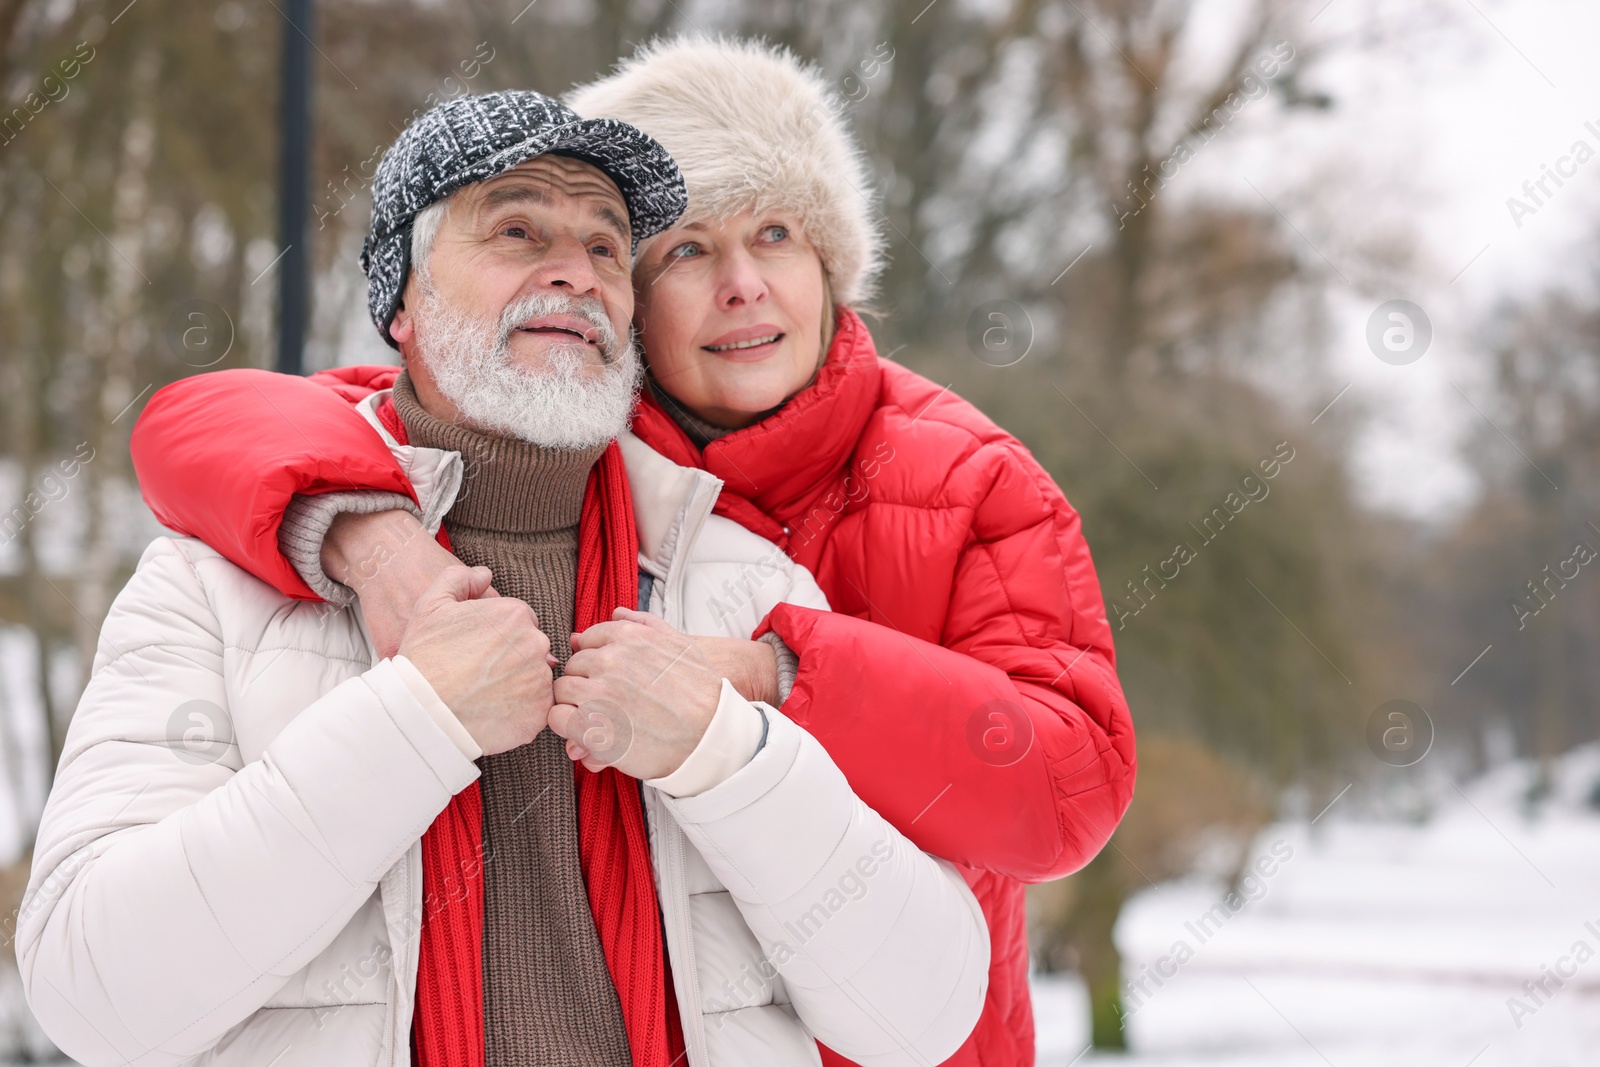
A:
730,313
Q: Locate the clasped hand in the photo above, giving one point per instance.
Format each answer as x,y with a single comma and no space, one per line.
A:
636,695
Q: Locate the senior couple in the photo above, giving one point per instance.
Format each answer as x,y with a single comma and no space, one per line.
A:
467,728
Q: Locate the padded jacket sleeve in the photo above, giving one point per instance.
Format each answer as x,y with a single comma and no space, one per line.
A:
1013,747
220,456
883,949
175,888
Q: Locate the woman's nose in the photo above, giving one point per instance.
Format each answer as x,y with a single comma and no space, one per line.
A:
741,282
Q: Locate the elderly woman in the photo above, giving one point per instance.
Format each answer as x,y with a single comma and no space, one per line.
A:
964,680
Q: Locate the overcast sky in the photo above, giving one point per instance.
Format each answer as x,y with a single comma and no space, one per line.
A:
1433,131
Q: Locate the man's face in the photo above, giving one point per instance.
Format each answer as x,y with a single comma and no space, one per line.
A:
552,225
517,323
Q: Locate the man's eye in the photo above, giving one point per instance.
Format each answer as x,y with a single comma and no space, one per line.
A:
604,250
514,231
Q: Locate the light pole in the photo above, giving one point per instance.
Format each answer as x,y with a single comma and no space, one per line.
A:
294,185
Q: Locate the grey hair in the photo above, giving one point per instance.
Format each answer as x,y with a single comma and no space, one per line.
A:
423,231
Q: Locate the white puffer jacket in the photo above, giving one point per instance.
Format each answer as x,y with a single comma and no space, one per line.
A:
228,870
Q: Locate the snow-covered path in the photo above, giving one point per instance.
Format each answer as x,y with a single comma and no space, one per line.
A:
1375,943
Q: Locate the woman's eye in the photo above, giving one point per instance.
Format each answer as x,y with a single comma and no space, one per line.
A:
684,251
775,233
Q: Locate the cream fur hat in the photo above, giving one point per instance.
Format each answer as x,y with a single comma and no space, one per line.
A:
752,127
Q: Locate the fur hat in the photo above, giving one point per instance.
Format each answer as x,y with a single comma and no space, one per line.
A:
752,127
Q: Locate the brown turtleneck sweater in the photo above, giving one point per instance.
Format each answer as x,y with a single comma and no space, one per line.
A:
548,999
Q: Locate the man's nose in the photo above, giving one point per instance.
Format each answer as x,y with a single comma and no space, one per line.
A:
565,265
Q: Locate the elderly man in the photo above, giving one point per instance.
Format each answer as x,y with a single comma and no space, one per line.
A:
273,841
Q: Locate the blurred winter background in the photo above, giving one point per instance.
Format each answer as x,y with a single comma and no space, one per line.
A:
1159,240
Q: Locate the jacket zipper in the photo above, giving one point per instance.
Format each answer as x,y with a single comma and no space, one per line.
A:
694,519
675,913
399,962
674,892
389,887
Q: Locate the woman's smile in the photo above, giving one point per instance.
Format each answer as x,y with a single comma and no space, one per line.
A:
749,344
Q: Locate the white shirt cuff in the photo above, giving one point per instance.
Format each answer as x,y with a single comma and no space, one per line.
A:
423,690
731,740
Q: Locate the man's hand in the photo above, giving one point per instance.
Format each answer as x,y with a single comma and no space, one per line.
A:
636,695
485,656
752,666
389,559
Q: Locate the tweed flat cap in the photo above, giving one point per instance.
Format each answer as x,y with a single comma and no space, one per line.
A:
473,138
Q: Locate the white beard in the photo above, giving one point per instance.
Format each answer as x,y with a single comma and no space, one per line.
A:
560,405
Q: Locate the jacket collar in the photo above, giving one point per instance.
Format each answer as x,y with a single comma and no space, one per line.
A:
667,496
781,463
435,474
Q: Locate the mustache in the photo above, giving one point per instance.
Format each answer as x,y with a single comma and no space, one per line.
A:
590,309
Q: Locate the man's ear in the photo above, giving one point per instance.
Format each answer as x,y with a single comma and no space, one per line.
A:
402,328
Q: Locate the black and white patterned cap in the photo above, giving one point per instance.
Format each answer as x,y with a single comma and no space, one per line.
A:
473,138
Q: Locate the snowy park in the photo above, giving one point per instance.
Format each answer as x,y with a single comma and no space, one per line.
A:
1144,451
1470,936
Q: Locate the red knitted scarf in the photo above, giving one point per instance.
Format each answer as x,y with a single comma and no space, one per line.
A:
613,844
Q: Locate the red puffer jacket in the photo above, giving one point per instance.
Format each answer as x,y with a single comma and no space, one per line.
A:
965,681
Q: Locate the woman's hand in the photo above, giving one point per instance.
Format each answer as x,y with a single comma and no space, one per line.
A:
636,695
390,560
752,666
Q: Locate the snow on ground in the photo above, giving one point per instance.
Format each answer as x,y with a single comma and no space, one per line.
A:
1368,942
1374,943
